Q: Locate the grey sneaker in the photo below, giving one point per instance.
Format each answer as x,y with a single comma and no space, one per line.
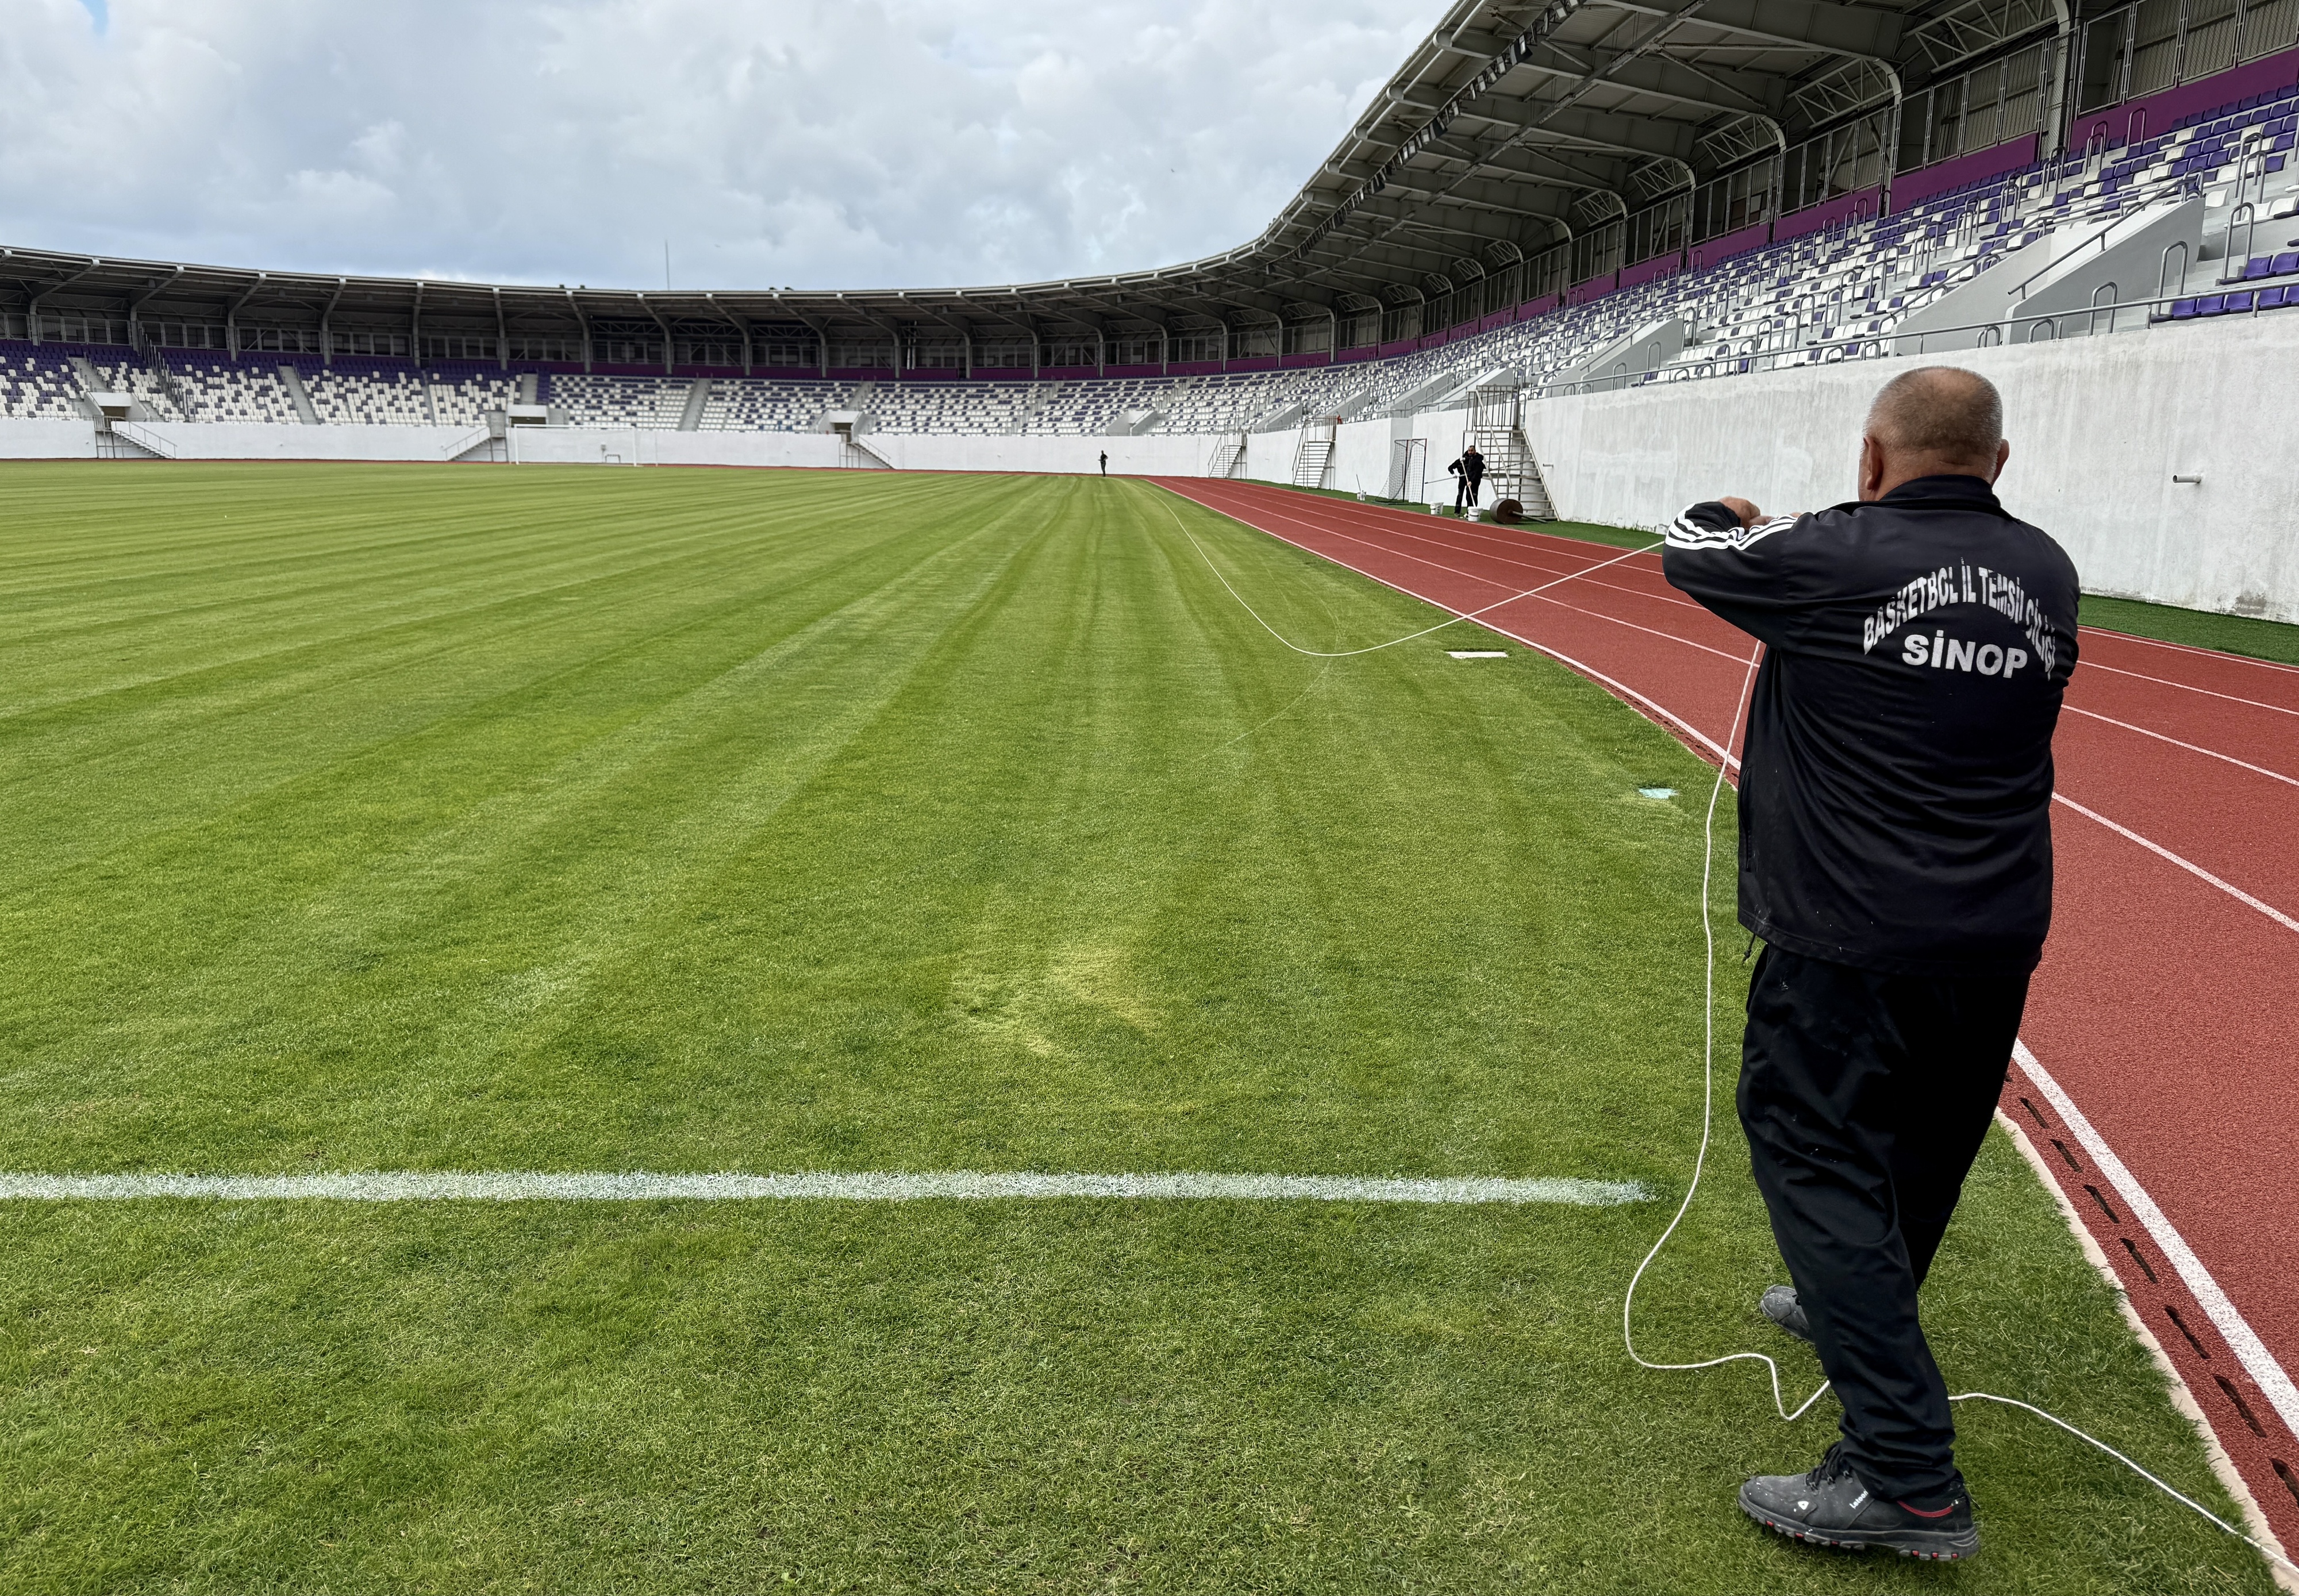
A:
1829,1506
1779,1304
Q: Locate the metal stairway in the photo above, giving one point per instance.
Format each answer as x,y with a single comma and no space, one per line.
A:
1497,428
1313,456
1228,458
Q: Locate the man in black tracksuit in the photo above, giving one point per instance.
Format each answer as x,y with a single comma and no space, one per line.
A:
1470,470
1896,857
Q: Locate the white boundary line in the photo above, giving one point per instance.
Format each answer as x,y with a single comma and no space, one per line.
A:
2196,870
2289,781
2165,681
2183,1395
2189,648
2270,1377
516,1185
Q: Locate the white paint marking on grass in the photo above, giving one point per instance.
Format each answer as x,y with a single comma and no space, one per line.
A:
1478,653
514,1185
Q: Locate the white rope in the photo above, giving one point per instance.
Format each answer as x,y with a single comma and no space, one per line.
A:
1708,1072
1345,654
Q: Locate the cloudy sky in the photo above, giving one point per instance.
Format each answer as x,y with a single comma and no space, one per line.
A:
813,143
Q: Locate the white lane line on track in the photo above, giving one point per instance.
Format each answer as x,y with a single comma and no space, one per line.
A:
2190,747
2193,869
2165,681
518,1186
2270,1377
2189,648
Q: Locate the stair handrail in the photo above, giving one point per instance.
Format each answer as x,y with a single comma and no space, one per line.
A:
468,441
156,364
144,439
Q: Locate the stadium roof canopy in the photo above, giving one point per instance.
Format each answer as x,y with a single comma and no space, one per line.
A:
1519,148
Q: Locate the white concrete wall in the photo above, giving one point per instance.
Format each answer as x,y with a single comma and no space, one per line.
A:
2098,429
265,440
46,440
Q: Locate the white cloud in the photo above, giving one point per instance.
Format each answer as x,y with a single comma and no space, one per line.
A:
819,143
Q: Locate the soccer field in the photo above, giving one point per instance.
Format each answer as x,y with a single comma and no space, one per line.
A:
407,818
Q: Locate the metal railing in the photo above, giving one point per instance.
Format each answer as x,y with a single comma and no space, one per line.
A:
1877,345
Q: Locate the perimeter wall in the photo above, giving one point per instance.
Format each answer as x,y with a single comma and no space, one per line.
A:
2099,428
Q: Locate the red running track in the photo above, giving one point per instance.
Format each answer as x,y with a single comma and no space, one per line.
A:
2155,1080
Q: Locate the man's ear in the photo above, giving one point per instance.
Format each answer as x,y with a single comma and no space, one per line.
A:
2003,453
1871,468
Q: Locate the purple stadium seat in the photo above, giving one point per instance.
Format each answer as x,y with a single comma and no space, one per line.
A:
2210,304
2182,309
2286,263
2273,299
2236,301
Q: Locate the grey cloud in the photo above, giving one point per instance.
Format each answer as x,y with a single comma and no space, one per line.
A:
872,143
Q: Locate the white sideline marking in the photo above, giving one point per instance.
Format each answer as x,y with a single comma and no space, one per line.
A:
1478,653
518,1186
2270,1377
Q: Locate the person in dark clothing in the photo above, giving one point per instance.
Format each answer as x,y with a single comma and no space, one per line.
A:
1896,858
1470,470
1104,462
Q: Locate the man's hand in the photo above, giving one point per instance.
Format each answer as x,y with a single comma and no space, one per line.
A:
1749,513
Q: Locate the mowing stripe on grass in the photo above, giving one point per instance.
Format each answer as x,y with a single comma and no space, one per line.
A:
516,1185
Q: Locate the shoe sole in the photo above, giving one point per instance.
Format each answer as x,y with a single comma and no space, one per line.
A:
1928,1546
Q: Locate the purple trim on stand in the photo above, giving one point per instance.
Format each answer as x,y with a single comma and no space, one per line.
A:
1539,307
1193,368
1066,373
2131,121
1596,288
1397,347
1295,363
1152,370
1254,363
1652,270
1726,246
1845,207
1914,188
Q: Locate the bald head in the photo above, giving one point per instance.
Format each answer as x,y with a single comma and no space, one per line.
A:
1933,422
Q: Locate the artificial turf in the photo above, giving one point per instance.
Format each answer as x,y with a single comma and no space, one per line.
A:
567,818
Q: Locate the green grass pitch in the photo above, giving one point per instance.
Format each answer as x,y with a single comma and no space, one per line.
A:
411,818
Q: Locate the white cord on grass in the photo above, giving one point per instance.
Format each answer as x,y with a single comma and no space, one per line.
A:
1317,653
1709,1065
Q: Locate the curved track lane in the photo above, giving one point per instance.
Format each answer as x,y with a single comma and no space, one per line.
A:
2157,1080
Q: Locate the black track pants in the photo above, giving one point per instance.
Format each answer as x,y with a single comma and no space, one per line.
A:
1865,1097
1465,493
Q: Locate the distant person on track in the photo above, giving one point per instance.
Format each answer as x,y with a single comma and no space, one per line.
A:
1896,858
1470,469
1104,462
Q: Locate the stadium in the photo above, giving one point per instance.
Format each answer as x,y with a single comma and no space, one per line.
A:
1070,974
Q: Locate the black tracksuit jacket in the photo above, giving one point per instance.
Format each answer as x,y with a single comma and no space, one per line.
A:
1896,784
